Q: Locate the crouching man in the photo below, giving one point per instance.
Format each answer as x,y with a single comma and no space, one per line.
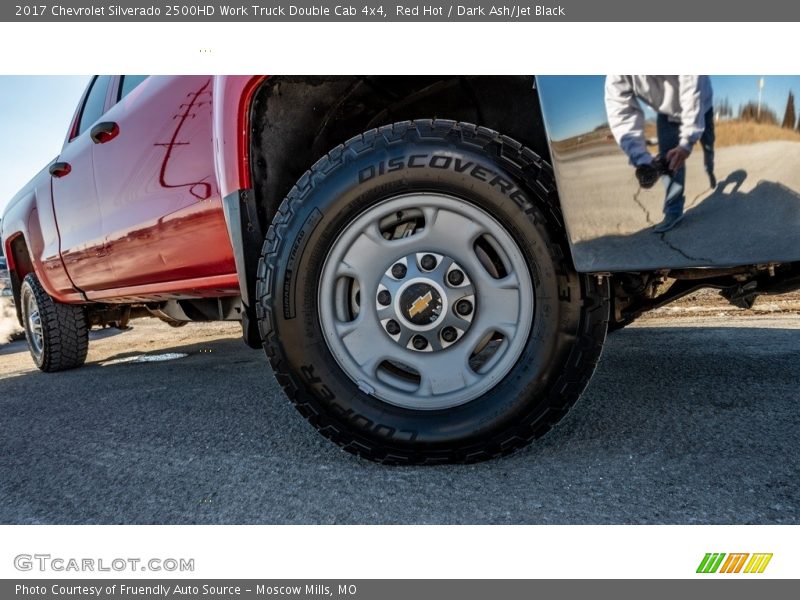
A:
685,115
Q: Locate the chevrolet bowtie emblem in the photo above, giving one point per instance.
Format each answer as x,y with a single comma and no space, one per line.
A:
420,304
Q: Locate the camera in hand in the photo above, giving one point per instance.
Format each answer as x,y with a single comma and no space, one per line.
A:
647,175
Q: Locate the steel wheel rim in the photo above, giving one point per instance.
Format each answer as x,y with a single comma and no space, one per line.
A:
33,325
355,323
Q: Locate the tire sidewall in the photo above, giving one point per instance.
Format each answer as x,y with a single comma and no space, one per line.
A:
361,180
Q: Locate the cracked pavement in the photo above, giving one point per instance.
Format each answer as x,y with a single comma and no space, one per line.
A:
753,215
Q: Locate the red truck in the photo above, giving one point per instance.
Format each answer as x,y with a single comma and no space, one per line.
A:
430,263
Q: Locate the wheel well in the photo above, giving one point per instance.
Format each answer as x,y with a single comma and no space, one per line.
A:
19,265
296,120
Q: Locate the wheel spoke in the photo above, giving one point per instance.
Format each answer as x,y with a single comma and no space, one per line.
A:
500,306
434,341
367,345
385,312
405,338
453,320
36,322
367,258
452,233
345,328
444,372
431,213
34,325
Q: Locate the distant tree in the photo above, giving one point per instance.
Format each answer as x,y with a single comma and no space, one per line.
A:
724,110
789,117
751,112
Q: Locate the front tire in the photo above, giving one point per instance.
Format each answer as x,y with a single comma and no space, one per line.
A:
379,358
57,334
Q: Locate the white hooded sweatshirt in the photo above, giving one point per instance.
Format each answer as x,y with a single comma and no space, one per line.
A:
682,98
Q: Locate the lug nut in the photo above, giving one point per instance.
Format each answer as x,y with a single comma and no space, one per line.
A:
392,327
455,277
419,342
463,307
428,262
384,297
399,271
449,334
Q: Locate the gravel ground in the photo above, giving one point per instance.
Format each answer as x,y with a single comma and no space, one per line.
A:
690,420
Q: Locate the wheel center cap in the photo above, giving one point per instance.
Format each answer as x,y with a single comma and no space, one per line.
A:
421,303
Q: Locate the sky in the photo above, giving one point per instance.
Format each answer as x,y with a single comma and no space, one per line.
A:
575,104
35,112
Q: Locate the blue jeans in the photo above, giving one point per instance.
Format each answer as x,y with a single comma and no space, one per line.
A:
669,134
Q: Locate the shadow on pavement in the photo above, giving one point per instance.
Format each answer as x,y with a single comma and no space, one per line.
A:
726,227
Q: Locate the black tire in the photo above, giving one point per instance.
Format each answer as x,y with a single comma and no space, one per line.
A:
64,329
570,317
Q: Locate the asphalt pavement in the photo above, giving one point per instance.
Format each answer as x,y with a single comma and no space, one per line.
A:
752,216
691,420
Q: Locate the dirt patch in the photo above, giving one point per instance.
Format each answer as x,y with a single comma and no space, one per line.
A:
9,327
710,303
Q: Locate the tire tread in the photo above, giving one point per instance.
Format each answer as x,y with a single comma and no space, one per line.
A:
65,329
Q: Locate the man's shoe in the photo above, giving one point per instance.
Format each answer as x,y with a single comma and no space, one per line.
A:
670,222
712,181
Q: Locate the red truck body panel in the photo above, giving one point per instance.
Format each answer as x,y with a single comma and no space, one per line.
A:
30,218
139,215
160,205
77,212
234,97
